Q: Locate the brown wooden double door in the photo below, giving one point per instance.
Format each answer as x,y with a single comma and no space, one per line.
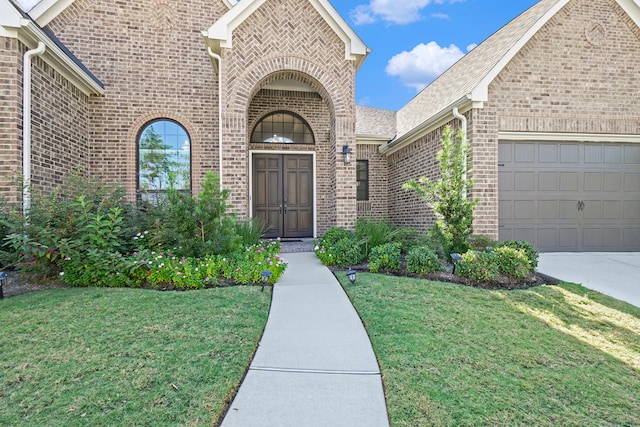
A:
283,194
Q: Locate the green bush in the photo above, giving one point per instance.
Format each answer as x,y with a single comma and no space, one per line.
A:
249,231
385,257
478,266
482,243
371,233
88,216
338,247
530,252
423,260
511,262
335,234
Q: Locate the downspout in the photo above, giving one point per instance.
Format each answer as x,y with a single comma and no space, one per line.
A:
463,126
219,59
26,126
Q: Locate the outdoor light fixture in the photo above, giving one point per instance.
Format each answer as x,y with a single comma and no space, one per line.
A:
455,258
264,277
3,281
346,152
351,274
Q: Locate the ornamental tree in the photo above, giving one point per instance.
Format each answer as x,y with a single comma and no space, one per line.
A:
448,195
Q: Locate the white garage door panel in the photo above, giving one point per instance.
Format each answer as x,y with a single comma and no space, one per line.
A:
567,196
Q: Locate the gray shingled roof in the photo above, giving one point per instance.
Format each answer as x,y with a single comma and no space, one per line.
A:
375,122
465,75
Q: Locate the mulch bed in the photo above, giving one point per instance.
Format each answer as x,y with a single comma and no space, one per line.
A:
18,284
501,283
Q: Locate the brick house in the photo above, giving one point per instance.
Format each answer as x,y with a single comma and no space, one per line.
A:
263,93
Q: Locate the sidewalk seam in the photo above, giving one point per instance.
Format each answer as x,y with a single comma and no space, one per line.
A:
314,371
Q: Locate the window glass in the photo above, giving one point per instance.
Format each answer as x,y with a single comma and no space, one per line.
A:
164,153
282,128
362,176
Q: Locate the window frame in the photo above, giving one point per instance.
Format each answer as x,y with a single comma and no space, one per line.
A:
188,183
364,181
286,138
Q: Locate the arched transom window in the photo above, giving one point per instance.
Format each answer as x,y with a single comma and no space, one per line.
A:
282,128
164,154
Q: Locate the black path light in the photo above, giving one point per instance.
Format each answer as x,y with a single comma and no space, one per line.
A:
264,278
3,281
351,274
455,258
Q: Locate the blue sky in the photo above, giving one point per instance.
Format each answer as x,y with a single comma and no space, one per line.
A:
414,41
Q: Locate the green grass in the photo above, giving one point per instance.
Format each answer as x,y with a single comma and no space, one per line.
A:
459,356
124,356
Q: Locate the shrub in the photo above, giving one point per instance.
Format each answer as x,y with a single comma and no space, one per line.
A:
250,231
198,225
338,247
346,252
511,262
423,260
335,234
68,225
530,252
480,242
371,233
385,257
448,196
478,266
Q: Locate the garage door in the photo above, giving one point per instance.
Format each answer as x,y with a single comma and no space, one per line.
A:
566,196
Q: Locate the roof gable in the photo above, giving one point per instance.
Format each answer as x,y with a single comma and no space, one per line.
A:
220,34
46,10
467,82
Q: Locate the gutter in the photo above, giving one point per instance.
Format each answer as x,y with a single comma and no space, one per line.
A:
218,58
67,66
445,115
26,126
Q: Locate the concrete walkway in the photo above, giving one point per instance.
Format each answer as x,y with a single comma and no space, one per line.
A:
315,365
613,274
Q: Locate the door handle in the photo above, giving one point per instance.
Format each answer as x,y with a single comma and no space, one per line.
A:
285,207
580,205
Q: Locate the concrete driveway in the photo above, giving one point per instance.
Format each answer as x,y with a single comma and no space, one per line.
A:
613,274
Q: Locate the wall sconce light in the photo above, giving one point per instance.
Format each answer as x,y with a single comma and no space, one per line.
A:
351,274
264,278
346,153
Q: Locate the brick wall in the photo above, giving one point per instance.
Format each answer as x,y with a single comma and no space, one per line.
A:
151,57
407,208
578,74
10,116
60,126
377,205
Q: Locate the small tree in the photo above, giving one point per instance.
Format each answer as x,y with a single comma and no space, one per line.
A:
447,196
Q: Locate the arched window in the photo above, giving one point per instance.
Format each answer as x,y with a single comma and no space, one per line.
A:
282,128
164,154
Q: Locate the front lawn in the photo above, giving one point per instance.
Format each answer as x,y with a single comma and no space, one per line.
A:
125,356
456,355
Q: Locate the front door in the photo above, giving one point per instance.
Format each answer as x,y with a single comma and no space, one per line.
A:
283,194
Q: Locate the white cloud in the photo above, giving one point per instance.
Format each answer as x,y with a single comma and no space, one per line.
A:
393,11
471,47
424,63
